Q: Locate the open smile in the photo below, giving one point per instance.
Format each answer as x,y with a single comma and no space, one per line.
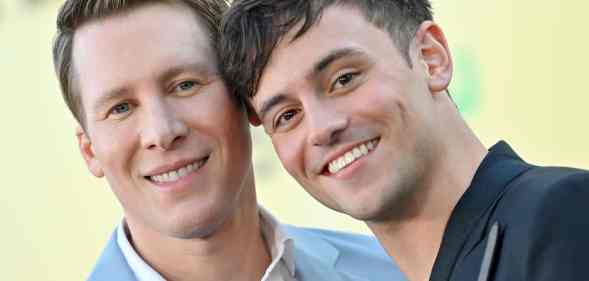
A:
179,173
351,156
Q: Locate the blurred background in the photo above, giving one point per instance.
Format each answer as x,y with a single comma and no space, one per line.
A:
520,76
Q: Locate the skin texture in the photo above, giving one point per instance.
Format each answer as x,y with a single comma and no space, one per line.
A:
344,83
369,93
154,103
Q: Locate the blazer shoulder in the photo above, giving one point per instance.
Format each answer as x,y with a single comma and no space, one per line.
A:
357,243
564,194
553,177
556,233
545,204
111,264
541,185
358,254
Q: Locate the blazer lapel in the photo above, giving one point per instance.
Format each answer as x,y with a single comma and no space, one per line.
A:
489,253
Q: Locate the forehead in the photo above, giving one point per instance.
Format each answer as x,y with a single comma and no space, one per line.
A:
138,44
340,27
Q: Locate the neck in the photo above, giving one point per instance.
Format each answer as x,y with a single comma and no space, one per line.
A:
413,239
235,251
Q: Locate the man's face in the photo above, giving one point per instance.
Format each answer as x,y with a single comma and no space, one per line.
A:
161,125
348,117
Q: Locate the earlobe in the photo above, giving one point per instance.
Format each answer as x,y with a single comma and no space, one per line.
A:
87,151
434,54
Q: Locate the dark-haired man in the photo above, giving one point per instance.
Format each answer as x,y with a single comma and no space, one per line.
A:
353,94
157,122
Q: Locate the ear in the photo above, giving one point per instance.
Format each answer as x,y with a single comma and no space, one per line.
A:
251,114
434,54
87,151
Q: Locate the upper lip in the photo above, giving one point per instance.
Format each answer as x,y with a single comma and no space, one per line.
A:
339,152
173,166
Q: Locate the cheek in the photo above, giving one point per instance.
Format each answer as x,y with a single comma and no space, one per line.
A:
291,153
215,117
114,149
386,103
236,140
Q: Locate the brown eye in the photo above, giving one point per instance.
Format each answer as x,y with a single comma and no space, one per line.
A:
285,117
344,80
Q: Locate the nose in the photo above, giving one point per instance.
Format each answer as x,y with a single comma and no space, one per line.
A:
163,129
327,124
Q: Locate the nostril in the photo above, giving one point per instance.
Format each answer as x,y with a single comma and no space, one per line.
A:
178,139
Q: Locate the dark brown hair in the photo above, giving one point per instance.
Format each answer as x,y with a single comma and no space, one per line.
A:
252,28
75,13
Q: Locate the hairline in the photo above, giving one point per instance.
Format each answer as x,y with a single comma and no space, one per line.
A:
304,24
73,86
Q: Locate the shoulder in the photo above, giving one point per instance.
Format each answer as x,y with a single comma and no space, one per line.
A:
548,223
561,198
111,264
357,254
340,238
549,201
550,177
541,187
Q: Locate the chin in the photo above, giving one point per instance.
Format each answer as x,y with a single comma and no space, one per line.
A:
199,232
387,204
199,223
198,229
364,213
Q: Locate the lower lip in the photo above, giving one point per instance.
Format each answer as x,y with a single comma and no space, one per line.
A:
348,171
180,184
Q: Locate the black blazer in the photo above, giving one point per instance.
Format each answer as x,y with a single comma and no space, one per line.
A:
518,222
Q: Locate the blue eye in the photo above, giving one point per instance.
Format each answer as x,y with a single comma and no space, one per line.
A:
186,85
186,88
121,108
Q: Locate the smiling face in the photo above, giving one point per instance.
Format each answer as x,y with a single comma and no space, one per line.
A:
348,117
161,126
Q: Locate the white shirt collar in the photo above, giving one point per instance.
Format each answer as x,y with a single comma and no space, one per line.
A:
281,246
140,268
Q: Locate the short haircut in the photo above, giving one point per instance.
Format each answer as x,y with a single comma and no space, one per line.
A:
251,29
75,13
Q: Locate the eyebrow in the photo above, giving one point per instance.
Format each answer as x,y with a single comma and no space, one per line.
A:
117,93
111,95
318,67
330,58
271,102
200,68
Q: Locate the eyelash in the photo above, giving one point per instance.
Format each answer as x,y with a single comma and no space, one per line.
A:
192,85
279,119
113,110
351,75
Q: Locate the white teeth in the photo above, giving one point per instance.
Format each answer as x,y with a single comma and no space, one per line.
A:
351,156
363,149
182,172
173,176
177,174
357,152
